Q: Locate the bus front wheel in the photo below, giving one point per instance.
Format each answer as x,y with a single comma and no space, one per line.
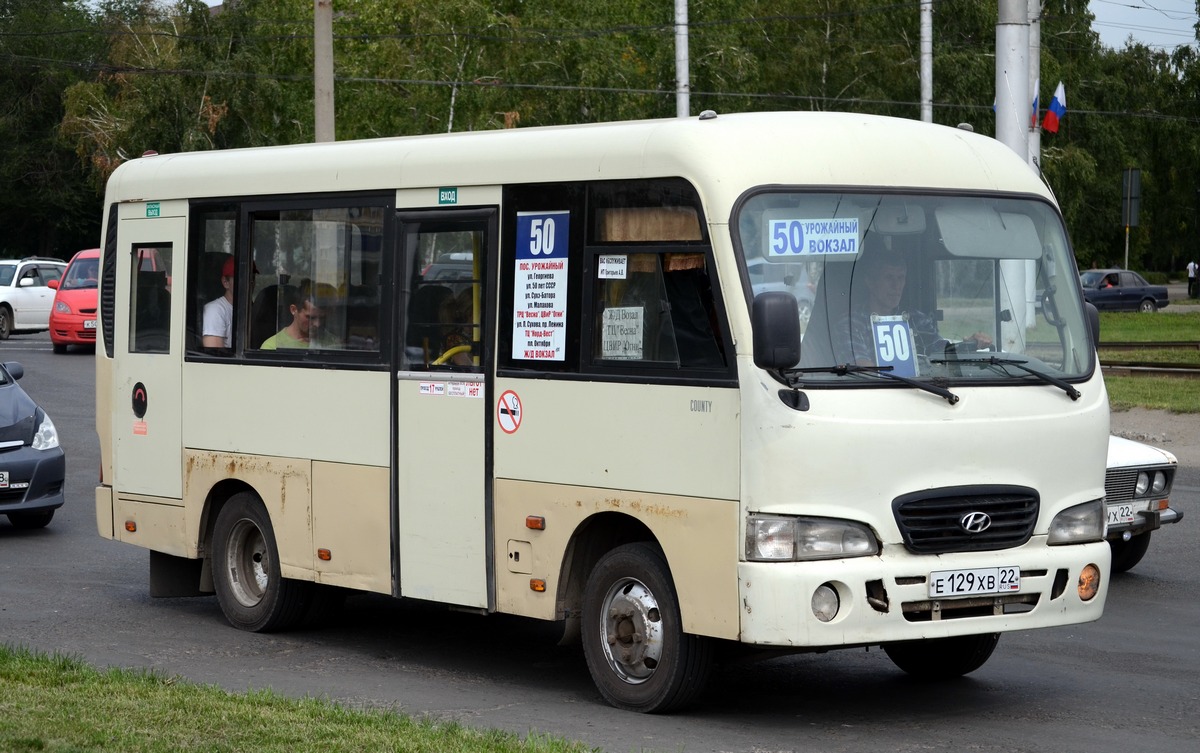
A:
942,658
252,593
633,639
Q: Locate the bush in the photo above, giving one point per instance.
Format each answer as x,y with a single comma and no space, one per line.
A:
1156,278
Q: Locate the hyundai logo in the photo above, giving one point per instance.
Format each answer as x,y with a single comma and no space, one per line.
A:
975,522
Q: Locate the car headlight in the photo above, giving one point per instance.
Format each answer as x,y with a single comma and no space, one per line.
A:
62,307
46,436
1159,484
1143,483
1079,524
777,538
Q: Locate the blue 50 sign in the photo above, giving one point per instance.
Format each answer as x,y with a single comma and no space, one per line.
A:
543,235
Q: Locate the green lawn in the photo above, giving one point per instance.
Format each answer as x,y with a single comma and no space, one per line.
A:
61,705
1135,327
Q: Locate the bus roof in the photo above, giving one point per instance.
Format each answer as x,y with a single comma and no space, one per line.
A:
722,156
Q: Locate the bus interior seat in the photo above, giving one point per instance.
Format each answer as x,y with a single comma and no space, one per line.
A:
153,303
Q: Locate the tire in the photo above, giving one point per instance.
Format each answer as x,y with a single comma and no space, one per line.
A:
6,322
1126,554
252,593
1148,306
60,348
28,521
942,658
633,639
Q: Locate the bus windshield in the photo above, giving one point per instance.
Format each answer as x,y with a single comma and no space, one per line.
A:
944,287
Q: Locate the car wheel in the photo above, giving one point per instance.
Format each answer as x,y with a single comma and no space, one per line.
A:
942,658
31,520
1148,306
633,639
5,322
252,593
1126,554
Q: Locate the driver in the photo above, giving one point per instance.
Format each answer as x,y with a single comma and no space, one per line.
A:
878,285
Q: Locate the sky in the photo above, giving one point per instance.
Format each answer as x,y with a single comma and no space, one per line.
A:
1160,24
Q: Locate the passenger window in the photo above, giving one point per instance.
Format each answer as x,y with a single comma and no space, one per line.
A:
655,308
316,278
150,301
212,316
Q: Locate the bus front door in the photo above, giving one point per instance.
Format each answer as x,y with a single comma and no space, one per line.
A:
442,416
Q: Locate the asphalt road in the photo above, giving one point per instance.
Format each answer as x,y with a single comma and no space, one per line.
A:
1126,683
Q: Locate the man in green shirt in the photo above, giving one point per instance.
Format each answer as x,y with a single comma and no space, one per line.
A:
305,330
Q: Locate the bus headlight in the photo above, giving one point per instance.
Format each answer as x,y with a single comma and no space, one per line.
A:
777,538
1078,524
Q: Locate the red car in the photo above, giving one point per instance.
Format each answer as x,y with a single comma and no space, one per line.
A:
73,315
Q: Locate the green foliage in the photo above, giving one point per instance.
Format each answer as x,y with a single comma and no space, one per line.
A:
119,77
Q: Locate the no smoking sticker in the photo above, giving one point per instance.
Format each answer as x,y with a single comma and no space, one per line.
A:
508,412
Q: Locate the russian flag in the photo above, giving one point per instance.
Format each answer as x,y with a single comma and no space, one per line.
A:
1033,117
1056,110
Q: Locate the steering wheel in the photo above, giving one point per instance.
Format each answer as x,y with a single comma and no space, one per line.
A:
451,353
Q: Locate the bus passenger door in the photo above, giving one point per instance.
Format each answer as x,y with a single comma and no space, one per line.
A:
442,418
146,383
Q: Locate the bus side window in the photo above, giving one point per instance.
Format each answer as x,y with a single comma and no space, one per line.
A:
150,310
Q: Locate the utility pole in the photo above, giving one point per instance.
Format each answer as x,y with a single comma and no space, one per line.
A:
1035,75
1013,105
323,69
682,76
927,61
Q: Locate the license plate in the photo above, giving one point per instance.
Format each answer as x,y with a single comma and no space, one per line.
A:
982,580
1118,514
89,323
3,479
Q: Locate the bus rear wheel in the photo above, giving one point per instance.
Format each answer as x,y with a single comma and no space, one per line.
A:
633,639
942,658
252,593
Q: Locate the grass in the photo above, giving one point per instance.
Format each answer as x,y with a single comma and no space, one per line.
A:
61,705
1161,393
1156,356
1135,327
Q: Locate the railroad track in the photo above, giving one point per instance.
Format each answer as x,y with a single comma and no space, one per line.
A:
1112,367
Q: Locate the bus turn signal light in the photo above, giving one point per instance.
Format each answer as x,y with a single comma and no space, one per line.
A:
324,555
537,584
535,522
131,526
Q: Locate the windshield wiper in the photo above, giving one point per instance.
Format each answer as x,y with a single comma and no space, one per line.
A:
883,371
1066,387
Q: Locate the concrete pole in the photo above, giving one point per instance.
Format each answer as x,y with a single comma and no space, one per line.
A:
682,76
1035,74
323,69
1012,129
927,61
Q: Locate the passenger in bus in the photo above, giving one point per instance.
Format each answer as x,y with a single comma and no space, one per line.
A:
305,328
217,331
457,317
878,286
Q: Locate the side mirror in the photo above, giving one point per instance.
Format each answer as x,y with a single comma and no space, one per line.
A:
775,317
1093,321
14,369
52,284
25,282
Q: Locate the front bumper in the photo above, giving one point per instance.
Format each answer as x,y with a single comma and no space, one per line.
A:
35,479
1144,522
71,329
886,598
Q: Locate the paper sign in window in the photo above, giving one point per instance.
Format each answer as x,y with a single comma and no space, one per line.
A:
621,336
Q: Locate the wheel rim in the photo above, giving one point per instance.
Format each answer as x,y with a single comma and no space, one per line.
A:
4,325
247,563
631,631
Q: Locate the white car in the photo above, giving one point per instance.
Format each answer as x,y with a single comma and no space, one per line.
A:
1137,486
25,299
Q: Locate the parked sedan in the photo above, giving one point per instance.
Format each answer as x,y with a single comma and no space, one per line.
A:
1137,487
32,464
1121,290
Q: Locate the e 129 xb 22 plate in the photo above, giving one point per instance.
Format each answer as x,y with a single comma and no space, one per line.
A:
974,582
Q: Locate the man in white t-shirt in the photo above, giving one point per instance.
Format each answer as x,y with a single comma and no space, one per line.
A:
1193,270
218,313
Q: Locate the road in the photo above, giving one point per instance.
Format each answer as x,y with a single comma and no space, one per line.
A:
1127,682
